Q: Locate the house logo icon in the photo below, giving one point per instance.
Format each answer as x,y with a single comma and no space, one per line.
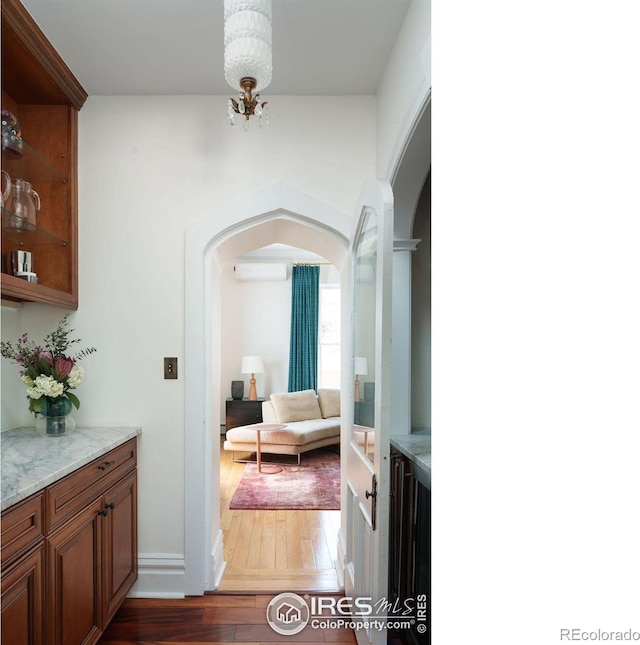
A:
287,614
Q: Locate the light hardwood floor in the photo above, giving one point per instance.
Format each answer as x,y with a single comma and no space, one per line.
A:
273,551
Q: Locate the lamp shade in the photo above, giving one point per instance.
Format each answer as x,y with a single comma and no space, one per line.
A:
360,365
252,365
247,42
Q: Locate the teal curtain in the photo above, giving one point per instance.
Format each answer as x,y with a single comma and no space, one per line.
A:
303,347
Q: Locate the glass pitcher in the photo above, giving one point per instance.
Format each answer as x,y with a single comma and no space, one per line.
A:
7,188
24,202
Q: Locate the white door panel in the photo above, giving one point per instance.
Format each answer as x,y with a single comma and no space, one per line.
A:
367,475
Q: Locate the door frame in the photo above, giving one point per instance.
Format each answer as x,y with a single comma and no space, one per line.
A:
281,213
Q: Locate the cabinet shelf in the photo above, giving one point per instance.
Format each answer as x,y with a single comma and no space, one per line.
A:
21,232
31,166
44,95
14,288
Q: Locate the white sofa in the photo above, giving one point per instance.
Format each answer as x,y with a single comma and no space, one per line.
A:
311,422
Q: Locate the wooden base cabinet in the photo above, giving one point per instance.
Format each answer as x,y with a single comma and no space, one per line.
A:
74,589
92,565
23,573
23,600
410,545
119,546
65,590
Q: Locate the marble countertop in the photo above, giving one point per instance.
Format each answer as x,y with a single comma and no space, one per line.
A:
31,460
417,447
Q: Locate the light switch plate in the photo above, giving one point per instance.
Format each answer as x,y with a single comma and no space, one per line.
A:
171,367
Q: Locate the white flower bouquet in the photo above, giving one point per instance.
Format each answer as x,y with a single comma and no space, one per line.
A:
49,371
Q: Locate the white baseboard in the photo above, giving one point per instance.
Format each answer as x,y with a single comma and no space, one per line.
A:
341,559
219,565
160,575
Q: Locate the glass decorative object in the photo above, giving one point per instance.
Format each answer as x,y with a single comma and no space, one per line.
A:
56,414
12,143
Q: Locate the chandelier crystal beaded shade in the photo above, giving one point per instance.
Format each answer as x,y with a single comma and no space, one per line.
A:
247,56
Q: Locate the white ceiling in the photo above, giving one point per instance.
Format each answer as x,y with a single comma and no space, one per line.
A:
320,47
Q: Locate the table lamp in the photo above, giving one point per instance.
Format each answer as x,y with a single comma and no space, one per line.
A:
359,367
252,365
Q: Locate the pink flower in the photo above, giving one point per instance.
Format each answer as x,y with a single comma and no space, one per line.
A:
46,356
63,366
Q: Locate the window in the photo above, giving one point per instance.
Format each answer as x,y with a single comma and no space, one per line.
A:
329,337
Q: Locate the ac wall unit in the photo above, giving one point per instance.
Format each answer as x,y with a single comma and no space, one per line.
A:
255,271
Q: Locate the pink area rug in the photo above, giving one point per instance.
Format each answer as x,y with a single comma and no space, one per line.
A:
314,485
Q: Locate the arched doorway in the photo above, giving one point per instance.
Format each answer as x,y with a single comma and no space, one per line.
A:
280,214
325,227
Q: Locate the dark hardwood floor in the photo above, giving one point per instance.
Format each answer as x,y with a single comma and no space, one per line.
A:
213,618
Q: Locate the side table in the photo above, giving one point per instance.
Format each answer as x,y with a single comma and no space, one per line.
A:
365,430
265,470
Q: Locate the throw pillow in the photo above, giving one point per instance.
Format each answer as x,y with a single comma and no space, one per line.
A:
329,401
296,406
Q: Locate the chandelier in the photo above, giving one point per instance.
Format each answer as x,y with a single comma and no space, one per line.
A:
247,56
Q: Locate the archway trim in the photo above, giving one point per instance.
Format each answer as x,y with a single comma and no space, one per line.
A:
204,557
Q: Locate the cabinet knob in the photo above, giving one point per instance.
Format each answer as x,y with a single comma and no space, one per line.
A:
106,508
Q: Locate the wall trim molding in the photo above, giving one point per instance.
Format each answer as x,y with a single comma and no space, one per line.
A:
160,575
341,559
405,245
219,564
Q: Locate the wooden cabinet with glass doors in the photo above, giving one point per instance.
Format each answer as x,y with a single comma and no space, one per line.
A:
40,102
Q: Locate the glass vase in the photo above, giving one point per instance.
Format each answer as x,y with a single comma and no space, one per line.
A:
56,415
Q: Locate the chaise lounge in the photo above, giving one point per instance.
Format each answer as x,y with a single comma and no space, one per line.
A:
311,422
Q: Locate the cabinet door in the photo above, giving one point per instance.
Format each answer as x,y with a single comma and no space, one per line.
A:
397,533
120,544
74,584
23,601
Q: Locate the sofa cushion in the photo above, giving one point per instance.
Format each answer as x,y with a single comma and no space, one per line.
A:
296,406
268,413
329,401
296,433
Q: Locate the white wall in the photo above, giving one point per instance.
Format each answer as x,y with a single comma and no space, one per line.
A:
403,157
404,85
256,320
13,390
421,314
147,167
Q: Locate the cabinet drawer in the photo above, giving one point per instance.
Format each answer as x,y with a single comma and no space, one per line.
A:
78,489
22,526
